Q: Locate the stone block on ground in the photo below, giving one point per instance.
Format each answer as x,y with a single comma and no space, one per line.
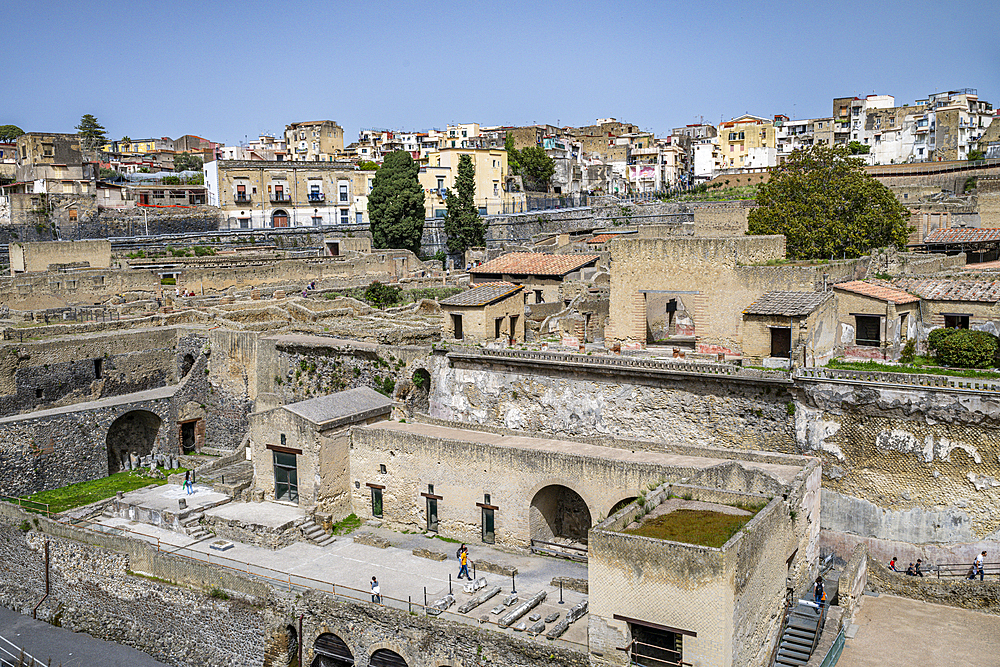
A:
478,600
510,599
521,627
372,540
520,610
474,586
499,609
495,568
441,605
534,617
570,584
576,612
430,555
552,618
537,628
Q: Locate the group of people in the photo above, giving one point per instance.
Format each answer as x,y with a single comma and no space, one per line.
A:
311,286
913,569
463,571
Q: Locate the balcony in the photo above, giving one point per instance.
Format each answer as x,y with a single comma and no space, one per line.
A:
317,197
280,198
241,198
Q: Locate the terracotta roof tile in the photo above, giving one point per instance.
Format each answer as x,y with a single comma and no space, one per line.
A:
952,290
482,295
880,292
962,235
535,264
602,238
791,304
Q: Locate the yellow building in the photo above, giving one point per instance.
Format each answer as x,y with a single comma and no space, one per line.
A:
740,136
439,174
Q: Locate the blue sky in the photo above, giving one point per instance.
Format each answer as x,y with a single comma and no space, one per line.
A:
224,69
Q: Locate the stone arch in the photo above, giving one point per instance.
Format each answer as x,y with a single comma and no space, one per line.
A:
329,650
292,642
187,362
279,218
386,657
558,512
621,504
421,390
132,433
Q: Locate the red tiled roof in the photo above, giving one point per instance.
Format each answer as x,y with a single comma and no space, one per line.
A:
880,292
602,238
962,235
952,290
535,264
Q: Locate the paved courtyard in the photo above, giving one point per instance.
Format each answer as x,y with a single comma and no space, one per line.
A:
901,631
349,566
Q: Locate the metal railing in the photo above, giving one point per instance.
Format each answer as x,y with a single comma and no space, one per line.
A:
285,580
241,198
280,198
962,570
317,196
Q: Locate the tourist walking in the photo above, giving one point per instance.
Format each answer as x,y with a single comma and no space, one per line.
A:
819,594
188,486
463,560
892,564
909,570
916,570
978,565
376,591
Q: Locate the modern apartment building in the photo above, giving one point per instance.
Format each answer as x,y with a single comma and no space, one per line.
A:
257,195
742,137
492,197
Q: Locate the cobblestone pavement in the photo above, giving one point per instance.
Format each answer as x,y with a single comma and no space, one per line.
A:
901,631
50,645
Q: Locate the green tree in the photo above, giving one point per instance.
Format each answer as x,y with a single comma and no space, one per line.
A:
9,133
536,168
381,295
367,165
974,154
187,162
513,155
92,133
462,224
825,204
124,143
858,148
396,204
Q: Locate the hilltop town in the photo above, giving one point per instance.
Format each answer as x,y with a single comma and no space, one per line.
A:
255,398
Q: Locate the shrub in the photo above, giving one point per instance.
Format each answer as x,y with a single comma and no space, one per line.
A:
938,336
219,594
968,349
381,295
909,351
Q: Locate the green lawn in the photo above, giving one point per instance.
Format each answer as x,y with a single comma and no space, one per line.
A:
84,493
921,365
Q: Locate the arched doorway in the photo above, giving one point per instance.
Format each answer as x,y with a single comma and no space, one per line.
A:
132,433
279,218
292,642
386,658
421,390
331,651
558,514
621,505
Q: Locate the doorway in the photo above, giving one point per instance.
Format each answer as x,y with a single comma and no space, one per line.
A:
781,342
286,477
188,437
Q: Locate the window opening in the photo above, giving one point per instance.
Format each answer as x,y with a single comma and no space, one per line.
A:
868,330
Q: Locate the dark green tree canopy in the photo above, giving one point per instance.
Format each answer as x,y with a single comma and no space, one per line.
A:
368,165
858,148
187,162
536,168
825,204
462,224
396,204
92,133
9,133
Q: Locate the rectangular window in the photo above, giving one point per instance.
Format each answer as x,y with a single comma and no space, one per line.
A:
286,481
343,192
359,218
868,331
345,216
317,221
376,502
956,321
655,646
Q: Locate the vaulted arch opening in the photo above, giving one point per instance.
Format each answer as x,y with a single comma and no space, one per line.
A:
132,433
331,651
559,514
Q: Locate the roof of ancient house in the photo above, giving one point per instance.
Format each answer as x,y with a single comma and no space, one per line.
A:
535,263
482,294
880,292
789,304
602,238
962,235
952,290
343,407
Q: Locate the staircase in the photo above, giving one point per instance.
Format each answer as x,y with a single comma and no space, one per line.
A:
193,528
802,627
314,533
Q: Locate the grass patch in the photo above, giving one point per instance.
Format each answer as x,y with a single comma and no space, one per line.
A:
704,527
405,297
347,525
445,539
218,594
922,365
719,193
150,577
84,493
